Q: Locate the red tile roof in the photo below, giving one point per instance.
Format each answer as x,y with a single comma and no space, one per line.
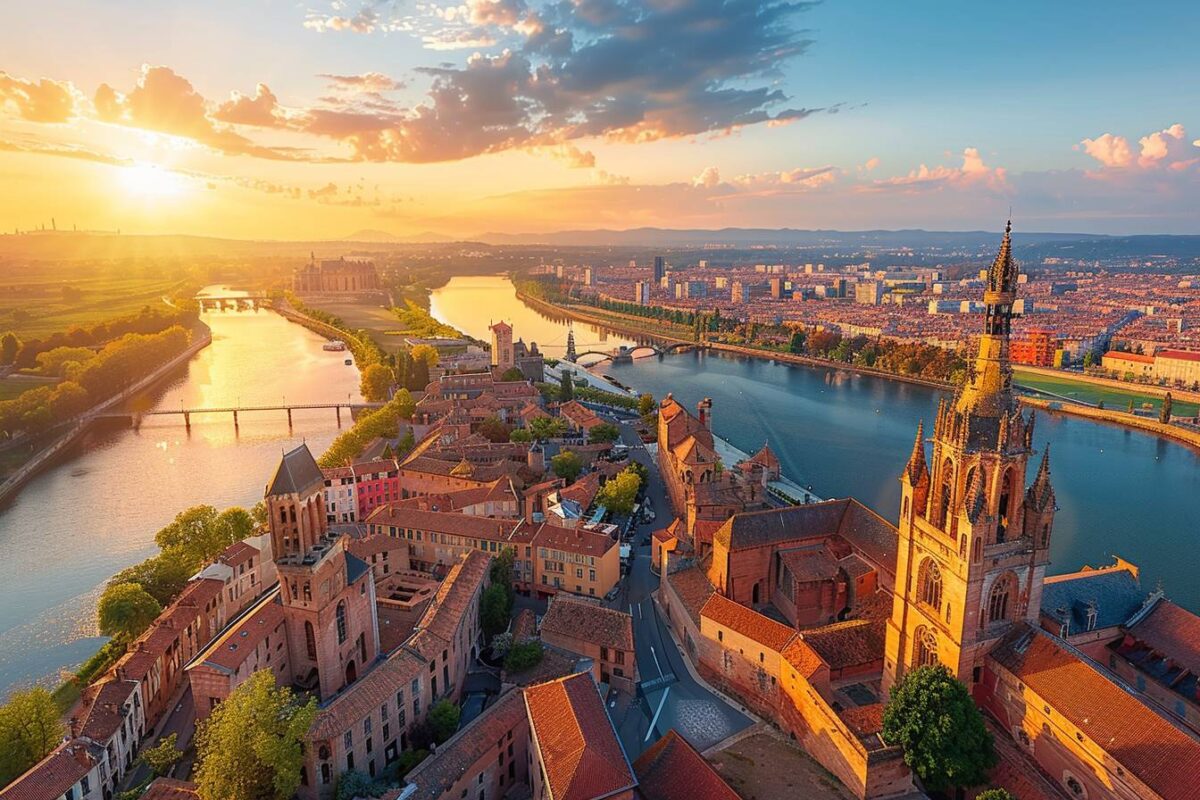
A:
53,775
1182,355
573,540
579,749
693,588
852,643
1172,631
104,702
1146,744
672,770
241,638
747,622
803,658
579,619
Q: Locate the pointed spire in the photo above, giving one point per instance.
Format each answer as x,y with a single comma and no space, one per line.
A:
975,500
1041,492
916,469
1002,277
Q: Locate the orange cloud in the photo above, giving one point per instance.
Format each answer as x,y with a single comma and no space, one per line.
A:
45,101
973,173
1109,150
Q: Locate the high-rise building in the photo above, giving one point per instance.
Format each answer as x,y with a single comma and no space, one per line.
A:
973,543
641,293
660,268
868,293
777,287
587,276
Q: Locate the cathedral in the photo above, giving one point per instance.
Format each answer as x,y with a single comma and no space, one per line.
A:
811,614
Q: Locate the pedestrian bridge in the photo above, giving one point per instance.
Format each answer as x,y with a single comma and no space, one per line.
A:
625,354
135,418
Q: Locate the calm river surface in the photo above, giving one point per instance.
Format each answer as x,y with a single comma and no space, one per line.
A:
1119,492
95,513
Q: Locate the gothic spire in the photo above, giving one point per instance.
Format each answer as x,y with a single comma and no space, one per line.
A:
1041,493
1002,276
987,391
916,469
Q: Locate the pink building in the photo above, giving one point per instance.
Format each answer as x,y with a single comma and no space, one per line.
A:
375,483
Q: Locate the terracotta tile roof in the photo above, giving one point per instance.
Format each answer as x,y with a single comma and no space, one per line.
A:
171,789
803,658
582,491
450,603
852,643
104,701
863,720
378,686
809,564
1181,355
443,522
237,553
434,776
588,621
524,625
373,544
672,770
1172,631
555,664
241,637
693,588
747,622
1143,742
573,540
579,750
53,775
580,414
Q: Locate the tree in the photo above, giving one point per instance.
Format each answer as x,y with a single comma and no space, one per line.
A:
494,430
512,374
567,465
646,405
604,432
402,404
125,610
620,493
494,610
566,388
163,756
355,783
523,655
9,345
30,729
375,382
259,513
251,747
547,428
162,576
1164,416
427,353
995,794
418,378
199,534
520,435
1089,359
796,344
932,716
443,718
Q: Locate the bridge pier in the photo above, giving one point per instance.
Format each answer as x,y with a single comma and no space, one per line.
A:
235,419
289,419
338,409
187,421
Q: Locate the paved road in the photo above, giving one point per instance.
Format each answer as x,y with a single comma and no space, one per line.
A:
700,716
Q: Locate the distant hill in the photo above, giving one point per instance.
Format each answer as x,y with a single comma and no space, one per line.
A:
383,237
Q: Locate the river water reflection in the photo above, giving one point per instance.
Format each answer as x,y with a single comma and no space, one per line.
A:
95,513
1120,492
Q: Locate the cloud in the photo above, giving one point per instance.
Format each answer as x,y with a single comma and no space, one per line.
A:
64,151
973,173
261,110
165,102
496,12
709,177
1109,150
364,82
870,164
365,21
45,101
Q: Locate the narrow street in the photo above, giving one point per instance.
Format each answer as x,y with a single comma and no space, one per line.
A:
699,715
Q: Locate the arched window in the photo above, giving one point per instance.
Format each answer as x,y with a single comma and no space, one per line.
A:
1046,535
977,549
351,672
925,648
904,509
341,622
947,493
929,582
1000,599
962,547
310,640
1006,492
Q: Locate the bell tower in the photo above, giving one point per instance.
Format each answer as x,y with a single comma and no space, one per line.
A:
973,545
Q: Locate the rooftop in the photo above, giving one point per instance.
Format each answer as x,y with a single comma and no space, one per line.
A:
672,770
589,622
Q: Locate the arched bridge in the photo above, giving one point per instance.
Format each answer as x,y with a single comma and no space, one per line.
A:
625,354
234,302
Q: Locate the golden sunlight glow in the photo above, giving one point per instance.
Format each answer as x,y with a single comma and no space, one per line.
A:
152,181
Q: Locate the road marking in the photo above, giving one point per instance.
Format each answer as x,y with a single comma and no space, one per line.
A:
639,608
655,656
661,703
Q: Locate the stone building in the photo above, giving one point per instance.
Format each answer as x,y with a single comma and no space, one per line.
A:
338,276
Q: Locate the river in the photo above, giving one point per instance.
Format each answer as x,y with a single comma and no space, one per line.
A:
1119,492
96,512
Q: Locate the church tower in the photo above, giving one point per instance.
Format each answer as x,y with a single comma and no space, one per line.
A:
973,545
327,593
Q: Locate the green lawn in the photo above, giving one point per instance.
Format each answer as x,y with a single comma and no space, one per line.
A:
377,320
1117,399
11,387
37,309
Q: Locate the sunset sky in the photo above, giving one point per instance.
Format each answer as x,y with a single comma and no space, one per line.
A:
282,119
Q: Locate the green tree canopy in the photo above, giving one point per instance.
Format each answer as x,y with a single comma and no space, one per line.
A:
523,655
512,374
547,427
495,610
520,435
163,756
29,729
932,716
250,747
604,432
199,534
375,381
620,493
494,430
425,352
646,405
163,576
567,465
995,794
125,610
443,718
566,387
9,345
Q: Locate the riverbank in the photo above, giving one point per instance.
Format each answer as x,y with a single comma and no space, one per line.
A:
76,428
1187,436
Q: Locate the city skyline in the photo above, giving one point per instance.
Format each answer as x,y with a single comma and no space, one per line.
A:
290,121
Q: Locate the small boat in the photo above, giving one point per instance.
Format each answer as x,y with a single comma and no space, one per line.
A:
336,346
349,362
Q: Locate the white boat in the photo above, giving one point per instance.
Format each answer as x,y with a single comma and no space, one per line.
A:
336,346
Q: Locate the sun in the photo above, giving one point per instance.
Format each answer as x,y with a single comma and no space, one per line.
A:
152,181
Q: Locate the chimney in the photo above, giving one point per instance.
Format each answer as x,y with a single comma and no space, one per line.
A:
704,412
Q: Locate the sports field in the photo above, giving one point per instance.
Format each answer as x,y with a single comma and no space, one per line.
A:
1114,398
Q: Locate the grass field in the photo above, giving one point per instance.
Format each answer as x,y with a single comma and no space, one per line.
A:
38,309
1116,399
382,323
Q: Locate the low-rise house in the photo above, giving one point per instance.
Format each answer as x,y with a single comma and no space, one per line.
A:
601,634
